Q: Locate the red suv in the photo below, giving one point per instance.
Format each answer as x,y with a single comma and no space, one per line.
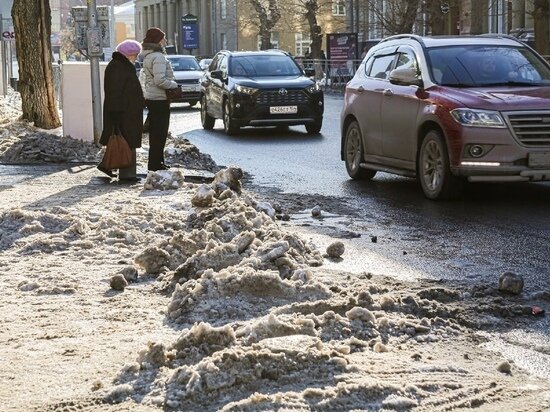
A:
449,110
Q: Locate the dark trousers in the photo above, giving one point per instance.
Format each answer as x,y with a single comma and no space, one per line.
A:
159,121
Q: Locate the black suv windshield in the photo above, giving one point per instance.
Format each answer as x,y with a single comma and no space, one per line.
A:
469,65
259,66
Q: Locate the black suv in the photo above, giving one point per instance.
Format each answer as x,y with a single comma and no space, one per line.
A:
259,88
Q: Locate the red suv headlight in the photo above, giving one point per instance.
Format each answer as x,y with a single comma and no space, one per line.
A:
478,118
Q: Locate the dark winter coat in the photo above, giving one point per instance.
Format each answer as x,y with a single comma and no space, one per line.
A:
124,102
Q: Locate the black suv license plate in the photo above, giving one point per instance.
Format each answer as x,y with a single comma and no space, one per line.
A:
539,160
283,109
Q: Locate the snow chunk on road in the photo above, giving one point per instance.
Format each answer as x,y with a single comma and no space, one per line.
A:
164,180
229,178
152,259
204,196
361,314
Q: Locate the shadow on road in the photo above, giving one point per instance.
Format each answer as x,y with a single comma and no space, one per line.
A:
268,135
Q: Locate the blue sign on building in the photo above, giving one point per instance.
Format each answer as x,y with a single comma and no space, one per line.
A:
189,32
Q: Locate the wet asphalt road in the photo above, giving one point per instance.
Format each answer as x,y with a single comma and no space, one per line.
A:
494,228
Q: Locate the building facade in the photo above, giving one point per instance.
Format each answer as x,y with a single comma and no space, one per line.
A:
233,24
167,14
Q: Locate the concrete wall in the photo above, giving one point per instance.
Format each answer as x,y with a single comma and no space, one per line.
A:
76,98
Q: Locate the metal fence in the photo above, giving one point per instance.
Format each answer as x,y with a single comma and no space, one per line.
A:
331,74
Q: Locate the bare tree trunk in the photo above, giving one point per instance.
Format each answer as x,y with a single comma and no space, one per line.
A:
542,30
477,16
268,19
32,23
436,18
465,17
518,14
314,29
409,16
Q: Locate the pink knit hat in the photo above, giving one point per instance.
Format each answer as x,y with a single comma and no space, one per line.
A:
129,48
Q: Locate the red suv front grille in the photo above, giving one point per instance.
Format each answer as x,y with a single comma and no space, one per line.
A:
530,128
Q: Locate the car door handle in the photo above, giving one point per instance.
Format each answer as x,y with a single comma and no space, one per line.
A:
360,89
387,92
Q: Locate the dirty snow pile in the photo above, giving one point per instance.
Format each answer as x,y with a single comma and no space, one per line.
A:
180,152
227,230
21,142
265,327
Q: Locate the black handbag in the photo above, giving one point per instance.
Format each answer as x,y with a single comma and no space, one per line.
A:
174,94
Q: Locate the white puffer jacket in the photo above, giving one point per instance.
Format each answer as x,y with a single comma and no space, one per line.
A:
157,72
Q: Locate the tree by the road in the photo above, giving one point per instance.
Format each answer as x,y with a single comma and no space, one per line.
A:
32,23
268,14
308,11
395,16
541,17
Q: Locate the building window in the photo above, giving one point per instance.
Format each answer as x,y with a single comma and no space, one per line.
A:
303,42
223,9
338,7
274,40
223,39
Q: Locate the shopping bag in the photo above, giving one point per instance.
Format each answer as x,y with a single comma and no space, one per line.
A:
118,154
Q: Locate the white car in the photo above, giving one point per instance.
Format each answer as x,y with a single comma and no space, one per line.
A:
188,75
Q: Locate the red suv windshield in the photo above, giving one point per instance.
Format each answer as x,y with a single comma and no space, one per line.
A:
469,66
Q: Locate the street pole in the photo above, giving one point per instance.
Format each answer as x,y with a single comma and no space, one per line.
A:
95,49
352,17
215,34
112,27
3,82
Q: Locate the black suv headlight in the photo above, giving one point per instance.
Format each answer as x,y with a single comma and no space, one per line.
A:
245,89
314,88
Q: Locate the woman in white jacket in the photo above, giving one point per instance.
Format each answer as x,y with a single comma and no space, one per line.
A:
158,77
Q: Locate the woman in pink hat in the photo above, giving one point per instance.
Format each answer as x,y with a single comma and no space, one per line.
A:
123,104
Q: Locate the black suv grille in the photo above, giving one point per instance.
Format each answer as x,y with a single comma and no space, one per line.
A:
531,128
279,97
